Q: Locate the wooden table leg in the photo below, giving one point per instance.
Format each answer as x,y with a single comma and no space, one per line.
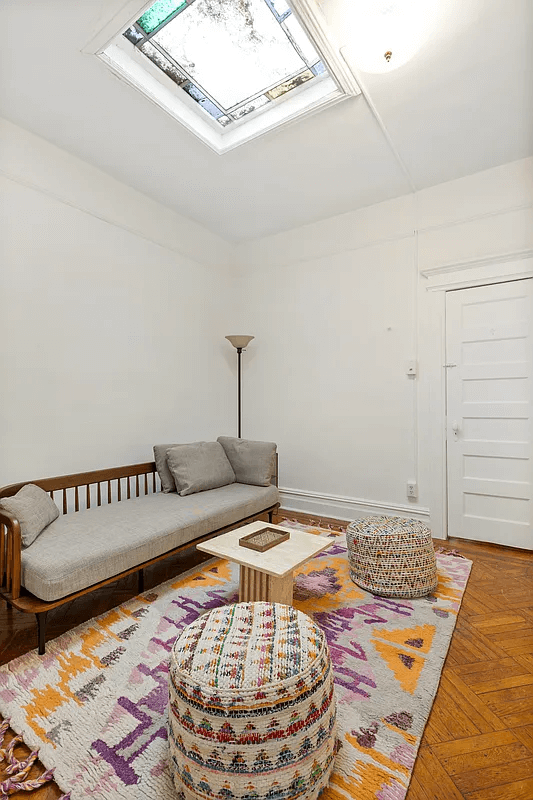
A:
281,589
256,585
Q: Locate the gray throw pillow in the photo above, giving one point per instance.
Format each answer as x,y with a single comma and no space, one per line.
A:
199,466
33,508
165,475
252,462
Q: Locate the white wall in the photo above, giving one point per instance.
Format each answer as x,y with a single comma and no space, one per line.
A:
338,308
113,318
114,312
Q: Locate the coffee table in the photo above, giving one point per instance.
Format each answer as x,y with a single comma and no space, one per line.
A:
269,575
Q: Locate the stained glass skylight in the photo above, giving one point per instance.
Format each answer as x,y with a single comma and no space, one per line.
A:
233,57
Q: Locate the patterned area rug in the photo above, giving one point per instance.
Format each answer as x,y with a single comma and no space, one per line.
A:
95,704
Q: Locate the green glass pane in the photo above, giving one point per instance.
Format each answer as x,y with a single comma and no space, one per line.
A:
158,13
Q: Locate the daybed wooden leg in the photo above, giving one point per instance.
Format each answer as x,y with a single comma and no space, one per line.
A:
41,628
141,581
270,515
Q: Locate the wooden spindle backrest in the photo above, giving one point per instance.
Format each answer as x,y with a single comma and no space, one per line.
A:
65,490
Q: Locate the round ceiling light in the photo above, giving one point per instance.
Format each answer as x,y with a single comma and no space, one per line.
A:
381,35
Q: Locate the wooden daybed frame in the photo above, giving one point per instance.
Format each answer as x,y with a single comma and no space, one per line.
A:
143,476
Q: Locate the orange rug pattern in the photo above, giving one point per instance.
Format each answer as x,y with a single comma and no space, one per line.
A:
96,703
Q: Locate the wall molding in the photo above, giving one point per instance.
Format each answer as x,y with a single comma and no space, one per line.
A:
474,263
510,267
473,218
331,253
61,198
345,508
416,229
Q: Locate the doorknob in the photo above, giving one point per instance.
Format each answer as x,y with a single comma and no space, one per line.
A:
455,429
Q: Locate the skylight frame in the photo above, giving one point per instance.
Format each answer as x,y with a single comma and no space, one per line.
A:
127,61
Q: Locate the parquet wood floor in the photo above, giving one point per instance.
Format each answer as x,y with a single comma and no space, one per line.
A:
478,743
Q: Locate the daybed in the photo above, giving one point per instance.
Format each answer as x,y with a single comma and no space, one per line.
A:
124,522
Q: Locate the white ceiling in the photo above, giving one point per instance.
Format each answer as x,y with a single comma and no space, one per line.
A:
462,104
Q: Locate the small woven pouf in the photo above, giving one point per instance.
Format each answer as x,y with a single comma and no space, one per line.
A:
252,708
392,556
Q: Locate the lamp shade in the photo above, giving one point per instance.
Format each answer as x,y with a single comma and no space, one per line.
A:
240,341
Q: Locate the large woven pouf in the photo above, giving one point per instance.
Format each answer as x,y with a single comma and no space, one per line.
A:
392,556
252,708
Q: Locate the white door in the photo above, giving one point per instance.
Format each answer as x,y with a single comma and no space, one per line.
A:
489,339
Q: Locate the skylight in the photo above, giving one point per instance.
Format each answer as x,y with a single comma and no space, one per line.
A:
233,58
240,66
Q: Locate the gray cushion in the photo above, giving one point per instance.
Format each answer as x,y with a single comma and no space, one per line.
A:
199,466
165,475
34,510
252,462
85,547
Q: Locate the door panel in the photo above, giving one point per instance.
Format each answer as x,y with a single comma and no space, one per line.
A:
489,355
490,468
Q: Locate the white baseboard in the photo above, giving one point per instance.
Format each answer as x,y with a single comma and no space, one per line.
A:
345,508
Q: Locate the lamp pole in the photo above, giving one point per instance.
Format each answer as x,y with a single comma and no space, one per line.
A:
239,343
239,355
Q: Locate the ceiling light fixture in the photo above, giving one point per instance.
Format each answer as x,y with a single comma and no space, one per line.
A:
374,30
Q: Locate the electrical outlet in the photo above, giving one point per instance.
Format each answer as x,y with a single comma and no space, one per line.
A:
412,489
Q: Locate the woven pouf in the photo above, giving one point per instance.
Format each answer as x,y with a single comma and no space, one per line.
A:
252,708
392,556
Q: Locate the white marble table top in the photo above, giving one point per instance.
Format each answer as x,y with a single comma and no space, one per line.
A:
279,560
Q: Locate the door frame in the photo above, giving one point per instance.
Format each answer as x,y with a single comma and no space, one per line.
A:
433,285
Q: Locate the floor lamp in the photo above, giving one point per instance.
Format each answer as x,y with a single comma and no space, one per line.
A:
239,342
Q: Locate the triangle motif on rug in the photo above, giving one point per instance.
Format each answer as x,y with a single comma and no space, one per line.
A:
419,637
406,667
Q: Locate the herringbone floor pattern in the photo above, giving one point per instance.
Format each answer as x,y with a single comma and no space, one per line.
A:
478,743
